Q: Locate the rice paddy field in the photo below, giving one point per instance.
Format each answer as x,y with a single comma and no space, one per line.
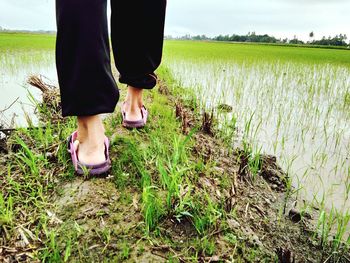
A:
20,56
287,101
171,195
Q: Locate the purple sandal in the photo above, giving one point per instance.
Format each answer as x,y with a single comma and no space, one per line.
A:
88,169
134,124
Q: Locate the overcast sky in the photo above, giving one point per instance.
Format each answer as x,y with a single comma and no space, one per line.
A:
280,18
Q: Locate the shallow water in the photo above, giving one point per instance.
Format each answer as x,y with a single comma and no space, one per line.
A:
15,68
298,113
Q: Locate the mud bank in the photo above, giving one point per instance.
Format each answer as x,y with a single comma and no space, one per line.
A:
177,192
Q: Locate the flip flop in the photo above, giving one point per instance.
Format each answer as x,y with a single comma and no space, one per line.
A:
134,124
88,169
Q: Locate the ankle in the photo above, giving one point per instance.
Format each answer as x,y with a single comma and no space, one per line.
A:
92,146
133,107
90,127
134,96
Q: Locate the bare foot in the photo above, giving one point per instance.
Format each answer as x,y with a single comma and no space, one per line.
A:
90,142
133,104
132,112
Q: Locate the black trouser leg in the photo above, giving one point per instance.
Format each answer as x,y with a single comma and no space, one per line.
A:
137,39
83,58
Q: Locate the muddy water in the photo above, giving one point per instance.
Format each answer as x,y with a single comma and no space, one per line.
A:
298,113
15,67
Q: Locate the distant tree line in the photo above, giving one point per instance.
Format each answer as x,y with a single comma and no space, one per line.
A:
250,37
338,40
4,30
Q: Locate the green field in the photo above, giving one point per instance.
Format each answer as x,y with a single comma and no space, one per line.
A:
19,52
294,100
202,50
196,185
16,41
208,51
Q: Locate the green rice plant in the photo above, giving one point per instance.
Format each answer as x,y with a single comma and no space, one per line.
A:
347,184
6,210
227,128
206,246
205,215
253,159
347,99
43,136
247,148
179,147
164,176
254,163
290,162
27,160
51,253
324,225
14,187
185,203
171,174
248,127
151,207
174,185
342,221
125,250
68,250
171,182
201,223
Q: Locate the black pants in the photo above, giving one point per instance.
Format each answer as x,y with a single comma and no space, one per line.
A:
83,53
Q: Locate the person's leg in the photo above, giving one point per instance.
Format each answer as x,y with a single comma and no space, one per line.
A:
84,72
137,39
